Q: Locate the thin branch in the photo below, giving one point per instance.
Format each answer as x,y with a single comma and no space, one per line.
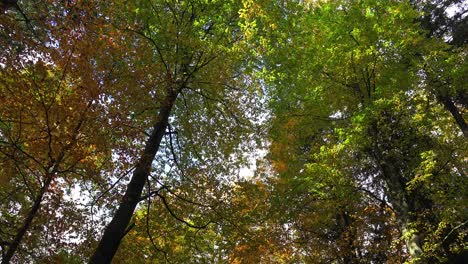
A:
156,46
165,187
171,147
353,38
454,229
25,180
372,195
163,199
149,195
112,186
148,232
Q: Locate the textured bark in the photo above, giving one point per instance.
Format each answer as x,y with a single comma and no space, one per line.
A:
116,229
401,204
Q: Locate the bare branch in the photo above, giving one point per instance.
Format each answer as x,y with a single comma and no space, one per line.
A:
163,199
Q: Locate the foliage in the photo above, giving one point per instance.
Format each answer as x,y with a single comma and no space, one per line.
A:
360,104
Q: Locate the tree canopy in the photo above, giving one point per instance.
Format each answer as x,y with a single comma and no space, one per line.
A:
127,129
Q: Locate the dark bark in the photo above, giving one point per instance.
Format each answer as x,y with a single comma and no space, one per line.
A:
448,103
116,229
27,222
50,175
439,25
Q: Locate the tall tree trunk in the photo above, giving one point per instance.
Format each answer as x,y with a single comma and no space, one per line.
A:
27,222
401,204
448,103
397,194
116,229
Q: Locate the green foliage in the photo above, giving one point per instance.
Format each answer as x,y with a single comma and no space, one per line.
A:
360,104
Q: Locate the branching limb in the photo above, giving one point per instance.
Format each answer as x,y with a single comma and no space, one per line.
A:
163,199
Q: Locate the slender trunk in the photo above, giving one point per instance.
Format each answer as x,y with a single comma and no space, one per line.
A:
116,229
50,175
27,222
455,113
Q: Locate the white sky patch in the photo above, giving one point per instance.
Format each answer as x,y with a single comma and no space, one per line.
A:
248,172
452,10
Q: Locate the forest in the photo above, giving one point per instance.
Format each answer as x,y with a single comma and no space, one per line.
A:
233,131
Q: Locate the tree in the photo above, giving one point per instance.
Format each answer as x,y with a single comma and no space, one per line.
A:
449,59
123,127
344,84
202,67
195,54
49,112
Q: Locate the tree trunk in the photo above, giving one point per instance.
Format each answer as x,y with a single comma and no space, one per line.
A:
413,242
455,113
116,229
402,203
27,222
50,175
399,199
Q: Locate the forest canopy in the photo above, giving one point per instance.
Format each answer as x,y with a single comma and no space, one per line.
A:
239,131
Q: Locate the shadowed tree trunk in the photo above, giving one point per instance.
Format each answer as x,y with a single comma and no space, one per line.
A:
117,228
27,222
448,103
49,177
